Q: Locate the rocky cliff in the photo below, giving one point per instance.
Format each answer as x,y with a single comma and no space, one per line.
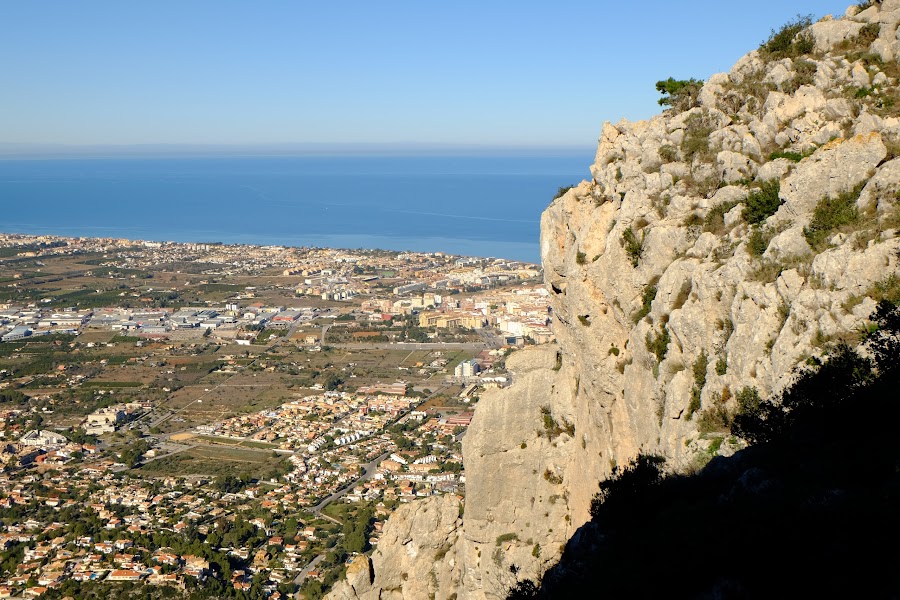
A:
717,246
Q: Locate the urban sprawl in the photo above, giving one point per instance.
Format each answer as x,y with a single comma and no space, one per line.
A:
234,421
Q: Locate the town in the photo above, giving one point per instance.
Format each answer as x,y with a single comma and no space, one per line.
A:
234,421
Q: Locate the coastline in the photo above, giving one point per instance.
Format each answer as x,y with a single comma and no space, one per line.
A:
482,206
27,237
51,241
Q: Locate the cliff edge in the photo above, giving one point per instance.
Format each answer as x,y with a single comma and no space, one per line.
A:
717,246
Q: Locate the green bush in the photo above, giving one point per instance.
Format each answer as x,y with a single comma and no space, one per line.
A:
715,218
585,320
552,477
759,240
552,428
830,214
769,270
721,366
562,190
668,153
696,136
792,156
868,34
790,41
699,370
887,290
716,418
658,343
748,400
680,94
634,247
647,297
694,405
581,258
693,219
805,75
762,202
886,103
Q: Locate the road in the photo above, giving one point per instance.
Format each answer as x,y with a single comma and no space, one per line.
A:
474,346
301,577
370,467
491,339
369,470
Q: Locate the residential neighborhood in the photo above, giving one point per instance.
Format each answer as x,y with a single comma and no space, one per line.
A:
234,421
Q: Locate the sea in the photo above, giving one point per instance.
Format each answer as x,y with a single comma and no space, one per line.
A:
476,205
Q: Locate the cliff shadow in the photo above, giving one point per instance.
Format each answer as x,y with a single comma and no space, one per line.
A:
810,509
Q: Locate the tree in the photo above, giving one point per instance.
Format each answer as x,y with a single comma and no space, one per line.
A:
824,392
312,589
680,94
402,442
132,455
355,541
884,342
627,487
332,381
559,194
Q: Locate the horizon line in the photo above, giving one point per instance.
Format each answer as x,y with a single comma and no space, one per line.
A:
27,150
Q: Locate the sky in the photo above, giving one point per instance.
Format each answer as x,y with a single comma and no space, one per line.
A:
397,72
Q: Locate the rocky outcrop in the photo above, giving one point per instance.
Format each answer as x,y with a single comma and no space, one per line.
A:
713,250
526,473
415,559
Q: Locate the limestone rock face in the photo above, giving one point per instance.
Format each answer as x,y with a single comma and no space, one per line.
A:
520,514
829,33
416,557
836,167
674,287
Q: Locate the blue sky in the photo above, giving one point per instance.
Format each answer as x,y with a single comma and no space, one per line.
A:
357,72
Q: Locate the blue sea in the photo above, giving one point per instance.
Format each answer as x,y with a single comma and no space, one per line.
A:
480,205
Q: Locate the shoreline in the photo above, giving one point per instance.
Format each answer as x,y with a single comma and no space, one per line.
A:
46,240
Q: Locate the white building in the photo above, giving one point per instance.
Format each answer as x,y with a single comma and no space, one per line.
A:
43,439
468,368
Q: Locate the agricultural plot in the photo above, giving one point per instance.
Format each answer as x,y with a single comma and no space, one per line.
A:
200,404
215,461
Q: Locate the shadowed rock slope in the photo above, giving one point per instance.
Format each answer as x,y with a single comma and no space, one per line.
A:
809,510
